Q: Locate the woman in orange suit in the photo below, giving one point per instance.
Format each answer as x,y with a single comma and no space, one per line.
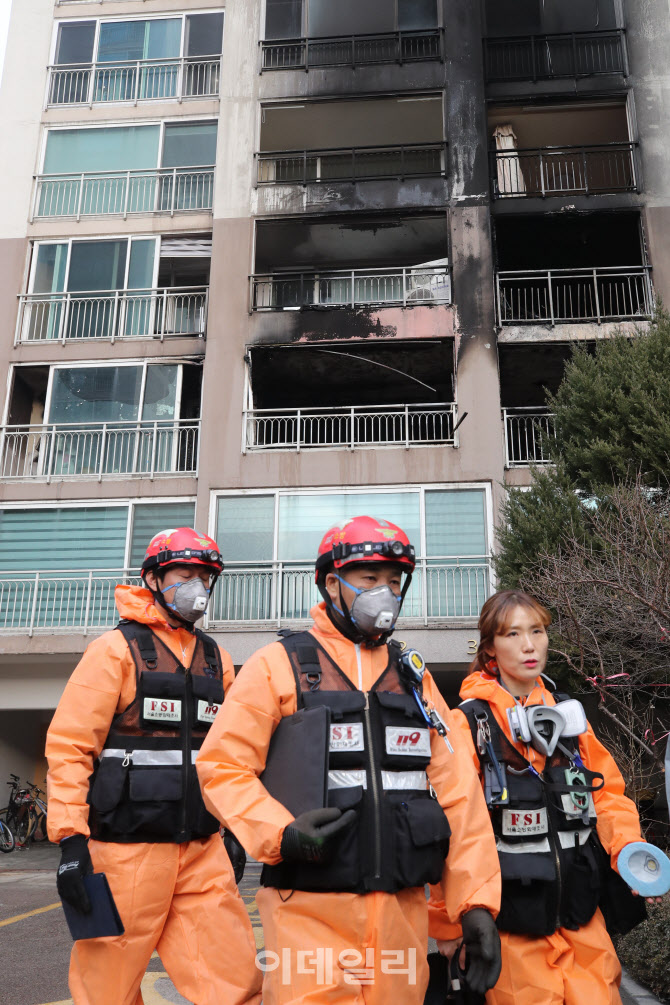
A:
342,902
124,797
557,804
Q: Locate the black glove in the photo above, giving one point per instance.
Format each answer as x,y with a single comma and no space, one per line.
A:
314,835
236,854
75,863
482,947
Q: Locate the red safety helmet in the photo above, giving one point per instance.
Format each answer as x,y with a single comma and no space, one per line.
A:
364,539
182,546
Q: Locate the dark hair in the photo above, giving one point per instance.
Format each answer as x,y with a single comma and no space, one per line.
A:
494,618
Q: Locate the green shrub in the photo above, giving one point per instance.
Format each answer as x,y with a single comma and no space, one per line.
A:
645,952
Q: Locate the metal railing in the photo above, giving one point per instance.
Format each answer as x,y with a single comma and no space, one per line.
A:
555,296
352,50
277,592
124,193
353,288
359,426
61,600
543,57
528,433
99,450
134,81
350,164
114,314
570,170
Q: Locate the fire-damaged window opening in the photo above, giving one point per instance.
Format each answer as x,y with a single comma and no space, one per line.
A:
551,149
95,419
350,395
528,373
318,18
545,17
351,261
555,269
347,141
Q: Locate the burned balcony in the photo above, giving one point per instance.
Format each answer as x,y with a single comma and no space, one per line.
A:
309,34
554,150
556,270
527,374
329,264
95,422
549,57
552,40
396,394
123,288
351,141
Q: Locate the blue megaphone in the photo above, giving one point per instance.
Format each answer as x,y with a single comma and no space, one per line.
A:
645,868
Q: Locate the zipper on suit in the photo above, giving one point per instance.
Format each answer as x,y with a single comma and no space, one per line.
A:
374,786
186,744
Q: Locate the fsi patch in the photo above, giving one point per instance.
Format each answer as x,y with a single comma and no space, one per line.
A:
163,709
207,712
521,823
347,736
405,740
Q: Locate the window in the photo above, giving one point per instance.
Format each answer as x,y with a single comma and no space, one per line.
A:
269,542
80,553
123,169
119,47
283,19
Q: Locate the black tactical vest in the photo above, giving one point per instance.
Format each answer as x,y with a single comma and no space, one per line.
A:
550,854
378,754
144,786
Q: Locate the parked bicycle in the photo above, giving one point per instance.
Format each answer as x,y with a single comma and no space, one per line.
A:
20,814
7,842
39,832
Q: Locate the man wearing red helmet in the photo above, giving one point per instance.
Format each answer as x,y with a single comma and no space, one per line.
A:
124,797
342,899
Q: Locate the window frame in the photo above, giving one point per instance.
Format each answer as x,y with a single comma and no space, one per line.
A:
125,124
419,489
127,502
120,18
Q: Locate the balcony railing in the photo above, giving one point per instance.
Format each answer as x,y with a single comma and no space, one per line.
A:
302,167
124,193
277,592
352,288
137,80
571,170
557,296
352,50
361,426
260,593
115,314
529,433
61,600
82,450
544,57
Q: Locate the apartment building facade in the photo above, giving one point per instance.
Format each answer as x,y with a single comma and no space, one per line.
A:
267,264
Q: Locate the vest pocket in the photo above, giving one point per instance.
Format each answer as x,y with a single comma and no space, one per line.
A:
108,784
528,893
581,885
161,698
404,735
421,834
207,699
153,793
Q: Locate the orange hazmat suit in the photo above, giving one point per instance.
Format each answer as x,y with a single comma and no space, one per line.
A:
340,947
571,967
180,899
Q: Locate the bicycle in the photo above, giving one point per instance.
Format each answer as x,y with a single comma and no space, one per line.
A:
39,832
20,813
7,840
